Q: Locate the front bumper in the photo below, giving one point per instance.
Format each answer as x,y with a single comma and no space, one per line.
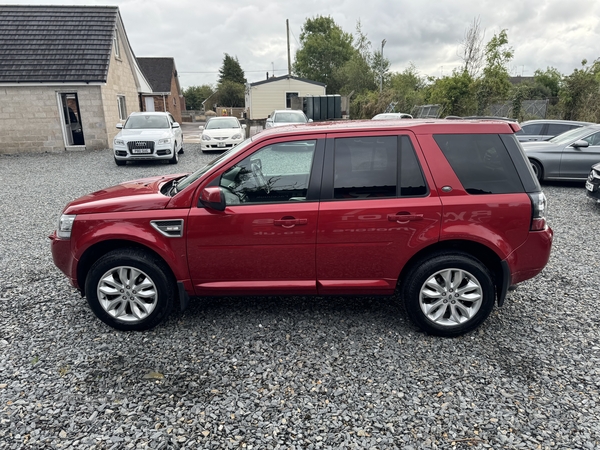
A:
159,152
592,188
215,145
63,257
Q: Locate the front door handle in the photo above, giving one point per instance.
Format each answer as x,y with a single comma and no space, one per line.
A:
289,222
404,217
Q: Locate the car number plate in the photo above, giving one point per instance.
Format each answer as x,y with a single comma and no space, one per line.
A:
221,144
589,186
141,150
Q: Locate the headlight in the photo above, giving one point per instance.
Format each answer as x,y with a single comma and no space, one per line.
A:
119,142
164,141
65,224
236,136
595,174
205,137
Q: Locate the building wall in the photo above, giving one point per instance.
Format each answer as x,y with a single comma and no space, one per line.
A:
31,121
172,102
267,97
120,81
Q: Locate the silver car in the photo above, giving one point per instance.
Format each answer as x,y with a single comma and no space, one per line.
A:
567,156
542,130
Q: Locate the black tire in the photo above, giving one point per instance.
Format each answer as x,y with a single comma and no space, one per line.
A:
156,293
538,170
450,318
175,158
181,150
120,162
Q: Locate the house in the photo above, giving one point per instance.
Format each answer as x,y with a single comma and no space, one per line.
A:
166,94
273,93
67,76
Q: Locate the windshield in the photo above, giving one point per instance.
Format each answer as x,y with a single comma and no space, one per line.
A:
218,124
289,117
572,135
149,121
185,182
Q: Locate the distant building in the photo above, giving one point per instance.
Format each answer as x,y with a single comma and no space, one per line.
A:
265,96
67,76
166,92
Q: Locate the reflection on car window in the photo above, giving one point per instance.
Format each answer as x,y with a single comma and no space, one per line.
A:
221,123
481,163
276,173
146,121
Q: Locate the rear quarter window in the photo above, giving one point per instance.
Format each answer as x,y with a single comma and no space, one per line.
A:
481,163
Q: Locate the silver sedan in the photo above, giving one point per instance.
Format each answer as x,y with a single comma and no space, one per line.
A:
567,156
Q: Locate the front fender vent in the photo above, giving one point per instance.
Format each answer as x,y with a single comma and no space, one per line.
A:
169,228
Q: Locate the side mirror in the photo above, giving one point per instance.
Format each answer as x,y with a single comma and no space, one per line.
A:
580,144
176,125
310,120
201,127
212,197
120,126
243,126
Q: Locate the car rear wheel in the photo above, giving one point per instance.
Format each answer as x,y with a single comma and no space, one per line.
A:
538,170
130,289
448,294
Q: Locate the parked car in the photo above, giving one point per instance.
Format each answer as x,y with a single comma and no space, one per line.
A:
148,136
221,133
592,185
542,130
392,116
448,215
567,156
279,118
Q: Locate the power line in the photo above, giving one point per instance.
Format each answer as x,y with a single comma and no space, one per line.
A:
245,71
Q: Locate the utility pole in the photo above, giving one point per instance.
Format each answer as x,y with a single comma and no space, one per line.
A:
287,25
381,81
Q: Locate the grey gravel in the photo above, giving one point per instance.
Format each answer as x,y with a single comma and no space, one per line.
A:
286,373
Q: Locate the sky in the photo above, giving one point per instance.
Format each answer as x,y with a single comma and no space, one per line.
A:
424,33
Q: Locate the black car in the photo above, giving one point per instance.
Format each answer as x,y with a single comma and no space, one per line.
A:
592,185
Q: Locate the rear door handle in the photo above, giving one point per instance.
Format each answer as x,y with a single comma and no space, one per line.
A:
289,222
404,217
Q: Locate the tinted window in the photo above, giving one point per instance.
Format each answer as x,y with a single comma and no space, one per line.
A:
593,139
557,128
481,163
276,173
368,168
534,128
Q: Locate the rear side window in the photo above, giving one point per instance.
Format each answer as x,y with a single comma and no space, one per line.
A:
558,128
372,167
534,128
481,163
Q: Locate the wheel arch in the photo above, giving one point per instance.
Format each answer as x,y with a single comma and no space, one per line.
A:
537,160
99,249
485,255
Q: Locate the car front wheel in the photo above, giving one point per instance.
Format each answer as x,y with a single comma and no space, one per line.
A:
175,158
130,289
448,294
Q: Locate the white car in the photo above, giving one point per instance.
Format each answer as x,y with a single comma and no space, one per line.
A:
148,136
279,118
221,133
392,116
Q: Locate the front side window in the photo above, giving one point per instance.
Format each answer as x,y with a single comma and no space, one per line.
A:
558,128
274,174
593,139
481,163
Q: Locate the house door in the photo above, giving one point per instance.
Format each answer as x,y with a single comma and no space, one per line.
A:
72,119
149,103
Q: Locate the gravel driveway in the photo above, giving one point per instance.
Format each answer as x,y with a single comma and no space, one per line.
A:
287,373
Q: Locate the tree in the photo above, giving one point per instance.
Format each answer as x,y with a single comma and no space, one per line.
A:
495,83
232,82
231,71
357,75
454,93
195,95
472,49
324,48
580,94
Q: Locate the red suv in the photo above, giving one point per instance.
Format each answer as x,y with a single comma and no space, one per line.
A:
447,214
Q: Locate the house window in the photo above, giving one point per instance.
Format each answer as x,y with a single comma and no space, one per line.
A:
116,44
122,107
288,98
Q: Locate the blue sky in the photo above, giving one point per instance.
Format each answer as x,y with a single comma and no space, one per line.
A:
426,33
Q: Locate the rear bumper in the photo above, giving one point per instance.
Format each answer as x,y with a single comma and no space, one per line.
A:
531,257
